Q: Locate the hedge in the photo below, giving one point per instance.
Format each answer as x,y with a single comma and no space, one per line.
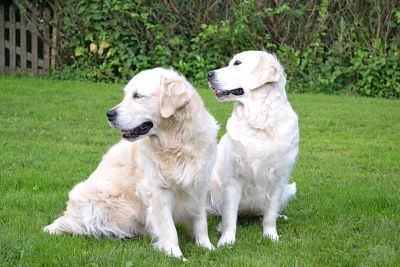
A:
325,46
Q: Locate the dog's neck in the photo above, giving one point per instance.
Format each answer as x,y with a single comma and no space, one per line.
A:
257,109
180,128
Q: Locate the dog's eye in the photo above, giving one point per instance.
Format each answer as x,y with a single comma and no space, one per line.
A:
136,95
237,62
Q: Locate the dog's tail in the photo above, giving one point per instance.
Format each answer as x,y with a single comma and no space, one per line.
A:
64,225
96,223
289,192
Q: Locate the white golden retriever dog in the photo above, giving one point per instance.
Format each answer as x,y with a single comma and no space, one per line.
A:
256,155
157,175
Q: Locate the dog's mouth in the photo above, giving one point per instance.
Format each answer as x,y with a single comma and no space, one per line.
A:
225,93
142,129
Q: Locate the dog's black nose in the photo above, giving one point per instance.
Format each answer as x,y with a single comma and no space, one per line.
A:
111,114
210,74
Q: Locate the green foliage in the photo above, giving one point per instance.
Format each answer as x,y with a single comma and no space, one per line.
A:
325,46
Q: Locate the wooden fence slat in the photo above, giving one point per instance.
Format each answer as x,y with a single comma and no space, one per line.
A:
12,38
46,34
2,41
23,45
29,57
34,43
54,44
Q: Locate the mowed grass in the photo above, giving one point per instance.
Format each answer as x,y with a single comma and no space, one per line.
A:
347,211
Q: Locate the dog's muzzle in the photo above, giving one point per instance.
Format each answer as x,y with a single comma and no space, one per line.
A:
134,133
220,93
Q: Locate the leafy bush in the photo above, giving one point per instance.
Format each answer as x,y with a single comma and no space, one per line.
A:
325,46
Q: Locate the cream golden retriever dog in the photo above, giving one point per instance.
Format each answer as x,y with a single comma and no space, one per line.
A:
256,155
157,175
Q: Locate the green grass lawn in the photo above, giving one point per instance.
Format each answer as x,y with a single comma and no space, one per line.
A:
347,211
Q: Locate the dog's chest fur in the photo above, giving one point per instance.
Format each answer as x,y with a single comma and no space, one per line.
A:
178,166
257,154
250,143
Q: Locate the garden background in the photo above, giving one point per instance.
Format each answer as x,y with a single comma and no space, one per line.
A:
326,46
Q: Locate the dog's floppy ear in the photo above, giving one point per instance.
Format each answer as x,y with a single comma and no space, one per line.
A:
174,95
267,71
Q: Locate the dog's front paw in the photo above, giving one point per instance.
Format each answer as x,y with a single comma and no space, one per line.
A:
205,244
226,239
271,233
173,251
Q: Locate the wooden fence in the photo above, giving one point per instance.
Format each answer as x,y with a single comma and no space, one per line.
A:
24,46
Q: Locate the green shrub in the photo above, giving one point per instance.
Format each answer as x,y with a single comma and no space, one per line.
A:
325,46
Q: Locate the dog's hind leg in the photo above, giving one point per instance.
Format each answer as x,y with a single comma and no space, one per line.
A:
288,192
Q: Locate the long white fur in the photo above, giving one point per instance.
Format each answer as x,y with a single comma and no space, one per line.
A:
147,185
256,155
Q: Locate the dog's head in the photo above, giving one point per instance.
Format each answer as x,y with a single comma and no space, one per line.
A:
150,97
247,71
